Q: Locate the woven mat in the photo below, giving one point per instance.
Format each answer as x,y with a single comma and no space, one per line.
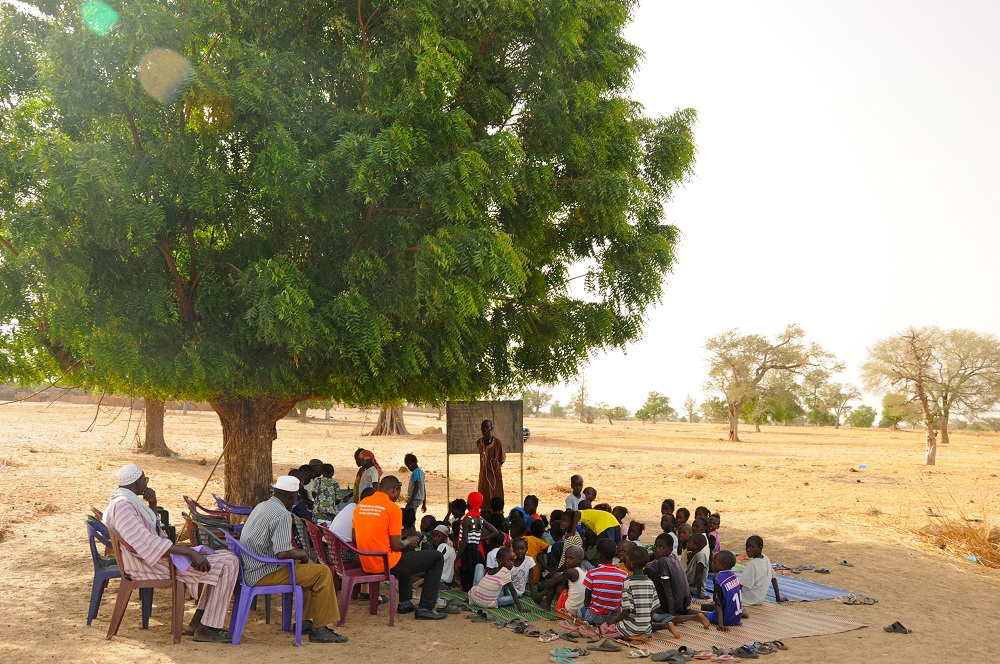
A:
531,612
798,589
768,622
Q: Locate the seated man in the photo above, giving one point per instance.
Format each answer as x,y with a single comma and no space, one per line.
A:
378,526
144,557
268,534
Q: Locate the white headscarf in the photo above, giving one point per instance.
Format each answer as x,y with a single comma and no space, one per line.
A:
126,476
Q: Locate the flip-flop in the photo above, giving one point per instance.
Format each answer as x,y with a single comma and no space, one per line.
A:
568,652
897,627
531,631
704,654
869,600
606,645
637,653
671,656
822,570
572,637
764,648
725,657
744,652
716,650
562,660
779,645
846,564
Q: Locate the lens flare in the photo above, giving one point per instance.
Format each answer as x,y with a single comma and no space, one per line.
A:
99,17
165,74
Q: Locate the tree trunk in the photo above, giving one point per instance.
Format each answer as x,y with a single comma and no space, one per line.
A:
690,417
303,415
248,432
945,414
390,423
757,427
326,415
930,456
734,420
154,443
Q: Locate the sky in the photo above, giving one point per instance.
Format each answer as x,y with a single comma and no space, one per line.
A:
846,179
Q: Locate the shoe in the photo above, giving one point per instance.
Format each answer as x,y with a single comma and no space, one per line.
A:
428,614
307,627
406,607
326,635
212,635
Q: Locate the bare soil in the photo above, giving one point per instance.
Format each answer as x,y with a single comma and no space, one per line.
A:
801,489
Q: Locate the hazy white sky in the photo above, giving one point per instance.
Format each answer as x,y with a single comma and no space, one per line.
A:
849,155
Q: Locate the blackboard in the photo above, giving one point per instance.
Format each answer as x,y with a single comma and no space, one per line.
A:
465,420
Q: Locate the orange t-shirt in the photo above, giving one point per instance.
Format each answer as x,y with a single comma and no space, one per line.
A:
376,519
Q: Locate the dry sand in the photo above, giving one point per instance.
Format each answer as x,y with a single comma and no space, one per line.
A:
793,486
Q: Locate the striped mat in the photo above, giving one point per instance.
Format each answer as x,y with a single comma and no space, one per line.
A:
532,612
768,622
797,589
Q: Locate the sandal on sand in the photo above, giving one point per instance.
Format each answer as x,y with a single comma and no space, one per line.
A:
846,564
572,637
562,660
704,654
729,659
822,570
636,653
779,645
869,600
531,630
898,628
606,645
548,636
764,648
744,652
569,652
716,650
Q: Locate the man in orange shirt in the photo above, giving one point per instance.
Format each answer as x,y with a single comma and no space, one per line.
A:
378,526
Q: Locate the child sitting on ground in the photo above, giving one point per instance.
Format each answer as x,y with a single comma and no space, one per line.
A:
727,609
619,512
520,572
567,579
666,572
713,531
697,566
572,537
702,511
758,574
486,593
590,495
327,493
682,515
620,553
683,535
427,525
536,548
700,525
443,544
603,584
638,601
470,542
635,531
667,506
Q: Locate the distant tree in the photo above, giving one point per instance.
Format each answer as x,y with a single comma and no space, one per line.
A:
616,413
837,398
154,442
657,406
755,411
784,399
390,422
581,410
965,374
739,363
690,405
905,362
896,408
862,417
302,407
557,411
536,398
715,409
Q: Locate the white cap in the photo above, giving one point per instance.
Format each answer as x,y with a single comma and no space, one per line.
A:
128,474
286,483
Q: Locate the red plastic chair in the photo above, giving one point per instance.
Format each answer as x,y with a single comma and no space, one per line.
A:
203,511
128,585
354,576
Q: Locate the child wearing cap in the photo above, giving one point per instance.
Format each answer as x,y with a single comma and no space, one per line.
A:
443,543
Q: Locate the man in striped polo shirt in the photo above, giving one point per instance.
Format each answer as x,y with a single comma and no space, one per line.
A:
603,586
268,534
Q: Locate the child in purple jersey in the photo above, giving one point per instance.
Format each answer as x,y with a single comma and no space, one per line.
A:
727,611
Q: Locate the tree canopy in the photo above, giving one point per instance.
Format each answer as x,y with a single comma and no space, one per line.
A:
369,203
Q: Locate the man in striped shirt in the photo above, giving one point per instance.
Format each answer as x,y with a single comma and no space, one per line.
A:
145,550
268,534
603,585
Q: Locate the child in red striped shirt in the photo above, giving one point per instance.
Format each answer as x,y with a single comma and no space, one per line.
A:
603,587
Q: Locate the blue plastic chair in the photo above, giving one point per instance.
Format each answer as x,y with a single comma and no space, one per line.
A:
245,594
239,510
105,569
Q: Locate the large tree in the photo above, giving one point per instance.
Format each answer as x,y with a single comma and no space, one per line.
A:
657,405
965,374
837,399
904,363
371,202
739,363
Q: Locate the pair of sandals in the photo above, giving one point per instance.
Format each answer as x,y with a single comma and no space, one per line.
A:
563,655
860,599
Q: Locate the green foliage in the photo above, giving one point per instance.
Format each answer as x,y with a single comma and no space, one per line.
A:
715,409
656,406
616,413
897,408
862,417
557,411
362,210
535,398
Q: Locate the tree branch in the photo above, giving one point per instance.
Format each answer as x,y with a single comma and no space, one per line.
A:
9,247
135,132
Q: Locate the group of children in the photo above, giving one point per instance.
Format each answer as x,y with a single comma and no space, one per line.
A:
580,559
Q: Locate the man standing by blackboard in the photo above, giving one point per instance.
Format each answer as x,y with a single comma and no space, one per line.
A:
491,457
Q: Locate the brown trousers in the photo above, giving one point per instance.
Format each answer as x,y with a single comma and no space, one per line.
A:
319,597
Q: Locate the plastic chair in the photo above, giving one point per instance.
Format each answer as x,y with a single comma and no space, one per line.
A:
243,597
105,569
238,510
202,511
214,524
128,585
354,576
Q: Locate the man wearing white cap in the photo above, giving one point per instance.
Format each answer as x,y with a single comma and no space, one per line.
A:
268,534
145,557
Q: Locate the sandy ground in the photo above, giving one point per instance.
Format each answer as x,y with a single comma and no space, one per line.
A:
792,486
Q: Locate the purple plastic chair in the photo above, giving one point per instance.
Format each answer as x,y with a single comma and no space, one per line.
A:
353,576
238,510
245,594
105,569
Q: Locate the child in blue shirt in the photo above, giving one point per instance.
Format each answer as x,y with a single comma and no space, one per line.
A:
727,611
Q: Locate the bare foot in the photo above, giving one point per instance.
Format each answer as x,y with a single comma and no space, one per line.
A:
704,621
673,630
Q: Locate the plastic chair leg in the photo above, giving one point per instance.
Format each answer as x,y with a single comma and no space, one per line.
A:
345,601
267,609
177,611
393,599
96,593
286,613
124,593
373,593
146,600
299,618
239,620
